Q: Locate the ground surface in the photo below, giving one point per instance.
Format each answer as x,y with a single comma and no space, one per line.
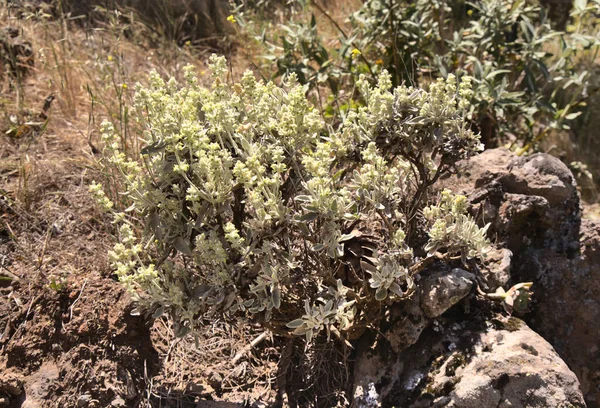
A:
67,335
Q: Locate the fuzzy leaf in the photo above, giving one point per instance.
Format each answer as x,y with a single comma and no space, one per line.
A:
381,294
294,324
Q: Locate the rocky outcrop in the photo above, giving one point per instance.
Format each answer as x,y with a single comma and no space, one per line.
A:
474,364
438,291
531,202
534,210
567,305
437,352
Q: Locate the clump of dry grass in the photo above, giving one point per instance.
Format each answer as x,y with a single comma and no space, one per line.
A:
230,365
50,231
199,22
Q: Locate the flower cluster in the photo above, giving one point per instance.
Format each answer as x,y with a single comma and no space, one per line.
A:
245,203
453,230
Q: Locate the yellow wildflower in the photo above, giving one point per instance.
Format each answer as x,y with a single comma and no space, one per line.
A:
231,19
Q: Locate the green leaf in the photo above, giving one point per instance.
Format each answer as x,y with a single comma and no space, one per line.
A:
303,198
158,312
183,331
381,294
276,297
294,324
573,115
497,72
318,247
346,237
182,246
308,217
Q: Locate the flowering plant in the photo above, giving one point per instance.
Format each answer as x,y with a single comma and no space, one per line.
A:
247,203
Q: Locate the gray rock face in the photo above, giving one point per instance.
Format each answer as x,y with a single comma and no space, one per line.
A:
497,268
567,305
438,291
533,206
509,369
531,202
476,365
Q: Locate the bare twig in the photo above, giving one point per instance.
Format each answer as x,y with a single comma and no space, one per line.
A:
7,271
249,347
78,297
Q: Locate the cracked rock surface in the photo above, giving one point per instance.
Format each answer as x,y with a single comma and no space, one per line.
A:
470,365
534,209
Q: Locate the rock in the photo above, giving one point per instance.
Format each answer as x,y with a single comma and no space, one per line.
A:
567,305
84,400
408,322
38,385
118,402
11,383
509,369
366,398
529,201
542,175
474,364
496,270
438,291
534,210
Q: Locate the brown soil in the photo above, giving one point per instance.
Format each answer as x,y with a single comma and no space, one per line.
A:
67,335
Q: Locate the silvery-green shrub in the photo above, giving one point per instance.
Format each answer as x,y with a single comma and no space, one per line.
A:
244,203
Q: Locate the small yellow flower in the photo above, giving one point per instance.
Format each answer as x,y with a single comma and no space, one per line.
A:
231,19
109,58
355,53
379,62
124,86
469,13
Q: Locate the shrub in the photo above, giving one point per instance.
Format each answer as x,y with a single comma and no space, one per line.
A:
527,76
520,64
249,205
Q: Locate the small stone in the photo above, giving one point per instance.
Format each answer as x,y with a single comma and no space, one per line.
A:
118,402
84,400
443,290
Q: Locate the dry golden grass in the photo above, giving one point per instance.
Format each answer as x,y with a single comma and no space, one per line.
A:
54,240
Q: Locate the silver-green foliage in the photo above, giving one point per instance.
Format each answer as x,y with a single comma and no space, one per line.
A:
243,202
528,76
